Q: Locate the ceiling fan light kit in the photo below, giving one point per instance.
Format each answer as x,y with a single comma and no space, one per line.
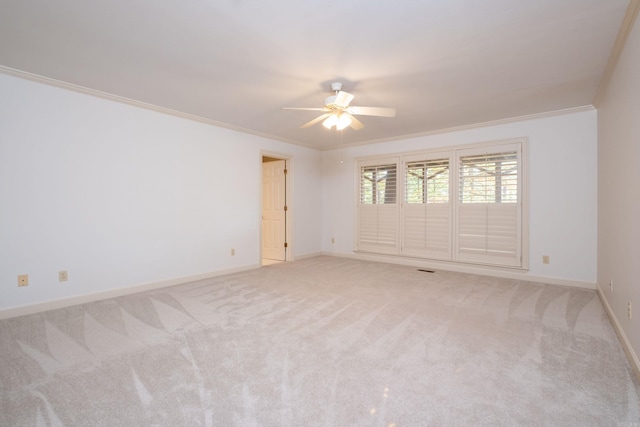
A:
338,113
344,120
330,121
340,121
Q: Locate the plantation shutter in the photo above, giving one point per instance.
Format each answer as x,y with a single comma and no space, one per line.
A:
378,207
426,214
489,206
463,204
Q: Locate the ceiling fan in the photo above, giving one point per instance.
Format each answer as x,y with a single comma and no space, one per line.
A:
338,112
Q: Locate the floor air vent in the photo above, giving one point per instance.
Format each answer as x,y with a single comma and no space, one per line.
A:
426,271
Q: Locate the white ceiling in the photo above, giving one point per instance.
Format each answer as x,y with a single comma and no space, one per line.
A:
441,64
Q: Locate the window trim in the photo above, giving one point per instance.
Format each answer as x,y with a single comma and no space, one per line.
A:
450,151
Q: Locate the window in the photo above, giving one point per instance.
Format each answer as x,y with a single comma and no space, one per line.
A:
464,204
427,181
426,217
489,178
377,208
489,217
378,185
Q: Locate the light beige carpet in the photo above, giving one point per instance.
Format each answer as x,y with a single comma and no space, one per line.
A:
322,342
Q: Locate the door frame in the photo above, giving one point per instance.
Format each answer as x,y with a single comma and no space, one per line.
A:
288,180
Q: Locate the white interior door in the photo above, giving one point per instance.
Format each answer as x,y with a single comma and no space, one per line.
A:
273,210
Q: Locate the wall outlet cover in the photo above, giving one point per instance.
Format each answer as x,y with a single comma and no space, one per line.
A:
23,280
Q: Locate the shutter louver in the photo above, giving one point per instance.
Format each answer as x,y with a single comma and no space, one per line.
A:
378,184
489,178
427,181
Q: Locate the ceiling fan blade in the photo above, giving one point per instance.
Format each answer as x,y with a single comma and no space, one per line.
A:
316,120
305,109
343,99
355,123
372,111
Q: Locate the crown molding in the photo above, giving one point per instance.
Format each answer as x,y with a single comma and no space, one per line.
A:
621,40
471,126
123,100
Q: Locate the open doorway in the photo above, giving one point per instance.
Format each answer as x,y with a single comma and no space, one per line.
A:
274,210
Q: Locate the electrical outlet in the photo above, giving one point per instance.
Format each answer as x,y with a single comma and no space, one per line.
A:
233,251
545,259
23,280
63,276
629,310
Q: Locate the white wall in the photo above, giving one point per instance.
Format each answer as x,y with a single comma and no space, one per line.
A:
562,190
121,196
619,193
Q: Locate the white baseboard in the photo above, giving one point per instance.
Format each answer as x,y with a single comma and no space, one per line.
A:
505,273
311,255
113,293
626,344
